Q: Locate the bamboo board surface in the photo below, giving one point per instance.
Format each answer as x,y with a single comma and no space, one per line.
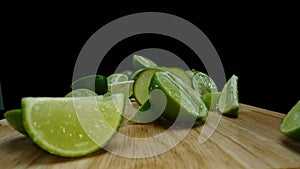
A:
252,140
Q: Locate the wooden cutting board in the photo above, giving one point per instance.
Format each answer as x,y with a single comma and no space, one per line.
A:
251,141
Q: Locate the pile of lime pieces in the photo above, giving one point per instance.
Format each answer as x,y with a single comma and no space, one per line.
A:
86,119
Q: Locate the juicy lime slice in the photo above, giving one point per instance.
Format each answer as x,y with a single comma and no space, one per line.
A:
81,93
203,83
180,97
229,101
72,126
290,125
142,83
179,73
97,83
15,119
125,87
140,62
117,77
211,100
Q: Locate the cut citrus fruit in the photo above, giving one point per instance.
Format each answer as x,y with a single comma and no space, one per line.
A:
81,93
229,101
211,100
179,73
140,62
72,126
203,83
116,77
15,119
141,84
128,73
97,83
181,100
125,87
290,125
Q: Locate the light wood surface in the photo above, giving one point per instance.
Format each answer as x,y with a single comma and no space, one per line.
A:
251,141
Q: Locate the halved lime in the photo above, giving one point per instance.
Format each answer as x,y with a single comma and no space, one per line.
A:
180,97
15,119
97,83
140,62
203,83
290,125
81,93
211,100
179,73
72,126
229,101
142,83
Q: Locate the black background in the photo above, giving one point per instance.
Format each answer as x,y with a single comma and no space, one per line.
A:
257,43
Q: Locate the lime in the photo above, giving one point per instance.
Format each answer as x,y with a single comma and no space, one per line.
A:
290,125
81,93
229,101
125,87
180,98
203,83
145,114
140,62
97,83
128,73
116,77
72,126
179,73
141,84
14,118
211,100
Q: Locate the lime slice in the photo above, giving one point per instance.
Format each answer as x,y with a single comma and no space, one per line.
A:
229,101
81,93
140,62
211,100
179,73
128,73
125,87
72,126
290,125
97,83
142,83
180,97
14,118
145,114
116,77
202,83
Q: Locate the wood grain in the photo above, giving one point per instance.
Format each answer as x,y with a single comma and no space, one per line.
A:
251,141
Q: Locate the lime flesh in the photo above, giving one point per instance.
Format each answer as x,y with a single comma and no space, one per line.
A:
290,125
97,83
229,101
63,126
140,62
81,93
203,83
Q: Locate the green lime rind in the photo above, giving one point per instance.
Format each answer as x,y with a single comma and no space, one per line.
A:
290,125
141,84
15,119
97,83
203,83
145,114
211,100
140,62
56,124
180,73
81,93
229,100
177,98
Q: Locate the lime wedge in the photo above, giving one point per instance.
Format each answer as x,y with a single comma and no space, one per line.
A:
180,97
72,126
290,125
179,73
140,62
81,93
145,114
116,77
125,87
202,83
97,83
229,101
142,83
211,100
14,118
